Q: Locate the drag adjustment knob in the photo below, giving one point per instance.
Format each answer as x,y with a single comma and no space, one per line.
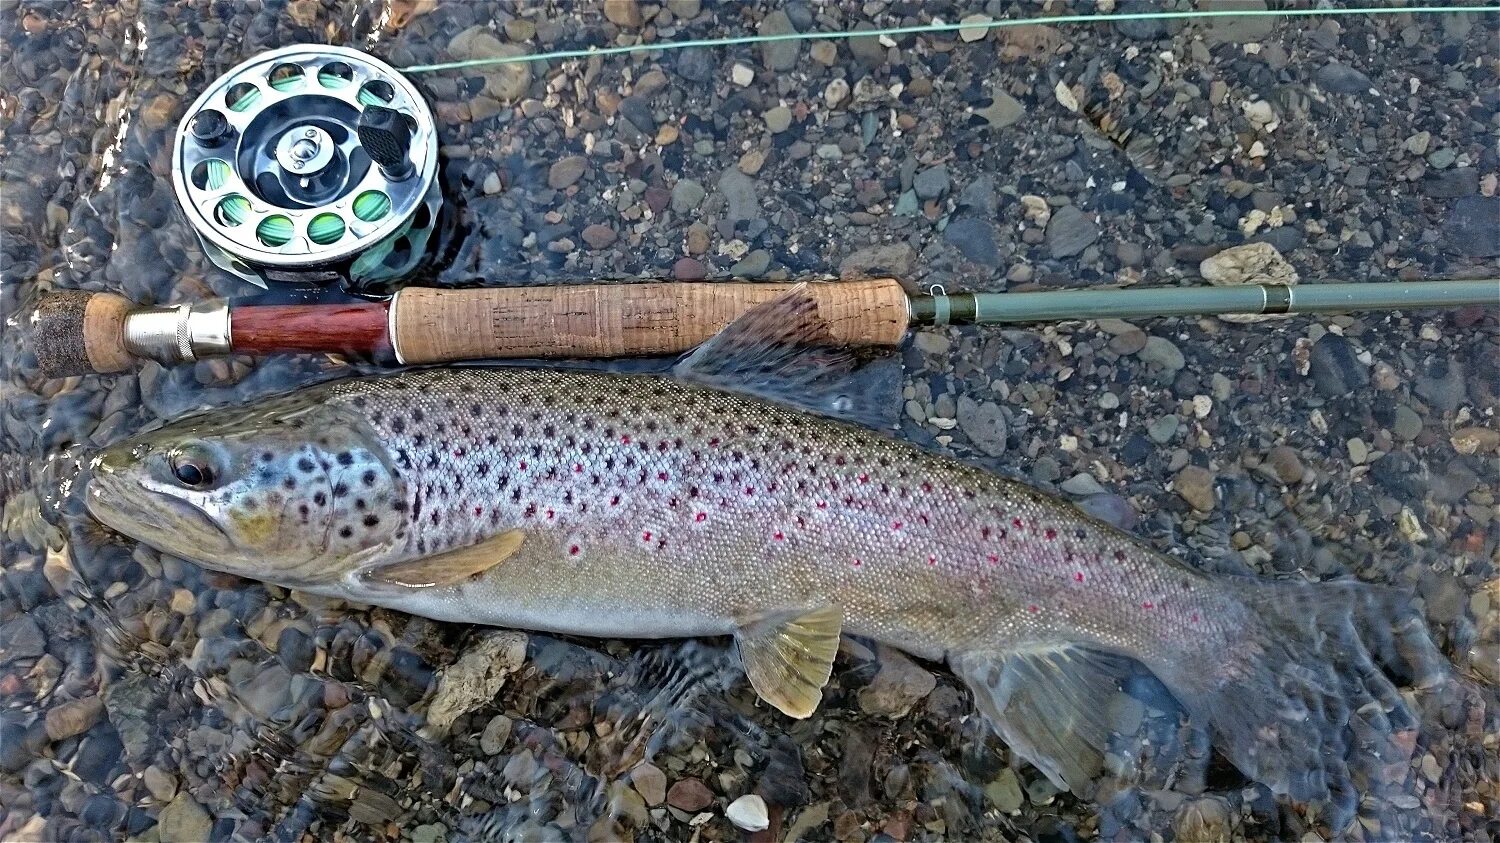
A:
385,135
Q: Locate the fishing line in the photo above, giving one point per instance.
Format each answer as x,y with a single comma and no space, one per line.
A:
1201,14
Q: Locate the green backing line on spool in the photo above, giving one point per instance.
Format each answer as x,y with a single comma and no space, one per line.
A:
232,210
371,205
275,230
325,229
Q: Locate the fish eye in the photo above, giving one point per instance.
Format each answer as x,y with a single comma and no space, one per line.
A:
192,468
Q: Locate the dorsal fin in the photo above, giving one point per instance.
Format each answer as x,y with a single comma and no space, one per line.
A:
782,351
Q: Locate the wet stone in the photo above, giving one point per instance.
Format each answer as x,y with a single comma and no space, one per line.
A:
1334,368
1070,231
689,795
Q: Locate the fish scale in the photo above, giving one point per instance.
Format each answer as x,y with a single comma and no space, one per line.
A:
646,506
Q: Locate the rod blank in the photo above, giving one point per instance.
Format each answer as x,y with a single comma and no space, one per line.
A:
1059,305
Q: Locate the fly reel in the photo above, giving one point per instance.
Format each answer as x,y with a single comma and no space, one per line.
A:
309,164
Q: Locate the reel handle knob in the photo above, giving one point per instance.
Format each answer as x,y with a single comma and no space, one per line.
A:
385,135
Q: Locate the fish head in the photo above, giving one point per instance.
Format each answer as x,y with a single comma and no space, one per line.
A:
294,492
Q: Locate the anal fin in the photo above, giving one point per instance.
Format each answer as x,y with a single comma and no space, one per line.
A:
790,657
1051,706
452,566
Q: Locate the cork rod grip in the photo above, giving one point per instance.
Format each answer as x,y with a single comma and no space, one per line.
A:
620,320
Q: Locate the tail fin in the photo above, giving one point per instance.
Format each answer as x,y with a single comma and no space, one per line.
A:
1300,697
1304,699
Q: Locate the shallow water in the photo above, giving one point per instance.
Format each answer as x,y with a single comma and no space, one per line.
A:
146,698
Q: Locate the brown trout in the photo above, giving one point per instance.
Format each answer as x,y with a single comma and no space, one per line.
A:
647,507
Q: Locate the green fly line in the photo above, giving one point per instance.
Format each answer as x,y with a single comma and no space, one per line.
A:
946,27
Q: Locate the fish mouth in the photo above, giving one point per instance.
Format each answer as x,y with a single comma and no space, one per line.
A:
161,520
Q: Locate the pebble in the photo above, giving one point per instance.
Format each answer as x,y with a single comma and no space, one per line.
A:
689,795
984,424
749,812
598,236
1070,231
687,195
566,171
778,55
1407,425
975,240
1472,227
73,718
625,13
1285,464
1336,78
898,685
1004,110
183,821
739,194
931,182
1239,29
1195,485
495,735
651,783
1082,484
1160,351
778,119
1335,369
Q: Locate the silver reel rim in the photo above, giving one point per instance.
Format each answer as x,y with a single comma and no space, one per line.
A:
201,203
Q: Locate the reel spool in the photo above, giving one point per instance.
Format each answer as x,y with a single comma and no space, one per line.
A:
308,164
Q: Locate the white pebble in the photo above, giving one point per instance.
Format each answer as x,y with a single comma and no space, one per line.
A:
749,812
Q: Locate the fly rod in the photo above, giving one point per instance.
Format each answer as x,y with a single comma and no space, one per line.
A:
77,333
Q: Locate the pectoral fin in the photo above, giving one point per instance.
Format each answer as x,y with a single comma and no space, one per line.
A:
789,657
453,566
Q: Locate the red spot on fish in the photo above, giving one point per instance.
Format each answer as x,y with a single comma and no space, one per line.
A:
779,536
1033,608
573,550
1078,577
895,525
701,517
1147,604
1051,534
